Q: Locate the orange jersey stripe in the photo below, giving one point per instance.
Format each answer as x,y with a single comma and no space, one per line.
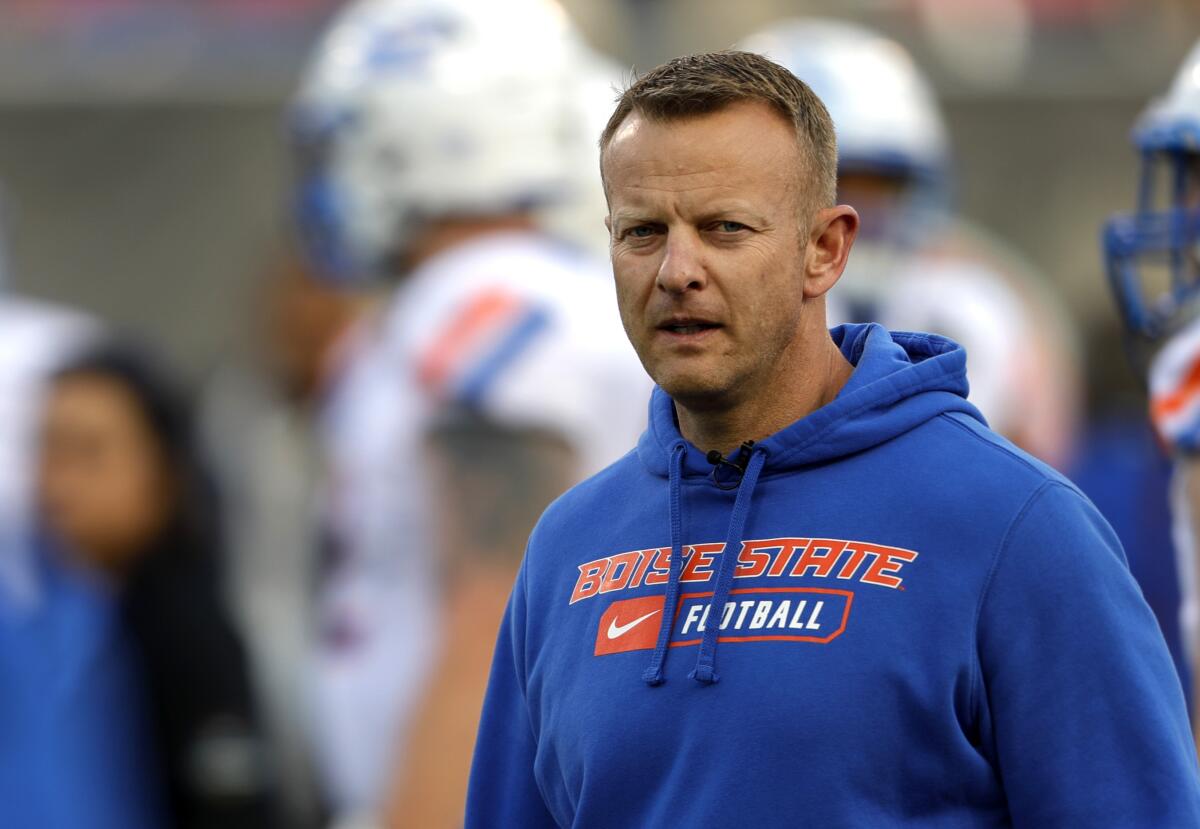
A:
467,328
1169,404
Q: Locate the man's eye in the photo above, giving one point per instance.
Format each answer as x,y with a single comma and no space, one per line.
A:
730,227
640,232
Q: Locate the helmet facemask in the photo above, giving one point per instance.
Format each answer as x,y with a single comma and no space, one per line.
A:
1153,255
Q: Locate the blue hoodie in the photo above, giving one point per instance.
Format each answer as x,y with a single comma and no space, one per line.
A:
922,626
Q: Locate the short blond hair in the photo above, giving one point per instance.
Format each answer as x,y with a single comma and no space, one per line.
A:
702,84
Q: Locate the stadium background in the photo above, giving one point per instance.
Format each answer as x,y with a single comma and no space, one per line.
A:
144,179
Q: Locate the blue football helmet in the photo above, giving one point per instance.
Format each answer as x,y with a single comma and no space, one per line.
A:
1153,254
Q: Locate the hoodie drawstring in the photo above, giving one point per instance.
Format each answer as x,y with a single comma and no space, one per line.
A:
653,675
705,672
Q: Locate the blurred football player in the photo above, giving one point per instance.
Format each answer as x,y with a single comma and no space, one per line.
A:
1153,263
257,418
578,218
915,265
494,376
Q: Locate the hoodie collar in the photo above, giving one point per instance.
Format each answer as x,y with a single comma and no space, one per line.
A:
900,380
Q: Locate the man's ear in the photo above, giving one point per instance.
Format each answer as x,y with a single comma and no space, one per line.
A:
832,234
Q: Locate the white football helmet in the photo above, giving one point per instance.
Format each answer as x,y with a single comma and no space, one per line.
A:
579,217
889,130
885,112
1153,254
417,109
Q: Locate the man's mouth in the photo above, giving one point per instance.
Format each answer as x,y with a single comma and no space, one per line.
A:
687,327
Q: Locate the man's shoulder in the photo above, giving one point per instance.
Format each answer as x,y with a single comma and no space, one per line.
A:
964,487
986,468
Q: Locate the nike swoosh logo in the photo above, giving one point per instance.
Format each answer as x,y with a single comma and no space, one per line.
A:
615,630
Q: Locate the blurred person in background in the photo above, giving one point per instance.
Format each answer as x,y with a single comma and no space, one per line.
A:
916,265
1153,264
257,415
577,217
432,146
34,337
74,750
125,504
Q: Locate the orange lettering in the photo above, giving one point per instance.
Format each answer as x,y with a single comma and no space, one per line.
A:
617,576
789,548
751,560
853,562
701,558
820,563
589,579
661,567
887,560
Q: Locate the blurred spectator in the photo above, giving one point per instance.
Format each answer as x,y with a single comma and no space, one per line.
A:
123,495
34,337
75,750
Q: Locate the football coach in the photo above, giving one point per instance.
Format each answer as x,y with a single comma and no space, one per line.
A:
820,591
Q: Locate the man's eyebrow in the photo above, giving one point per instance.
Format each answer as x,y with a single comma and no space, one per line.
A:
721,211
705,214
631,215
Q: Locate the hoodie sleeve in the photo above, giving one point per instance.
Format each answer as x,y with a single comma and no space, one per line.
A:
502,790
1083,710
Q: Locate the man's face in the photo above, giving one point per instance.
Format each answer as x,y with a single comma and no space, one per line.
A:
708,245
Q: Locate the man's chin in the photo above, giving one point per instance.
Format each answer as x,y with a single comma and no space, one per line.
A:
695,393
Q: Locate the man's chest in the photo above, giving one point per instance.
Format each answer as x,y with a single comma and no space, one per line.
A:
819,634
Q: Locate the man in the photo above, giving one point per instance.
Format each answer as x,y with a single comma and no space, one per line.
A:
493,375
820,591
1154,272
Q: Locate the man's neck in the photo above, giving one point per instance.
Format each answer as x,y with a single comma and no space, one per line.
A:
771,408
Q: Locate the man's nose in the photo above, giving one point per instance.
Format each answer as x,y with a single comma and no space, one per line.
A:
682,267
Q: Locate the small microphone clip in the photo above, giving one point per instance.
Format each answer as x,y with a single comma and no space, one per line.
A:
738,461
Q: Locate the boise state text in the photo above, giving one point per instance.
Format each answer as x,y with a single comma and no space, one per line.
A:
754,614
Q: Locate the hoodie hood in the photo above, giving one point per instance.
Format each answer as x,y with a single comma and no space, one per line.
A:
900,380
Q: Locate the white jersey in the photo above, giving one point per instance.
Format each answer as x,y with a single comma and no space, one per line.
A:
968,303
34,337
512,327
1021,361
